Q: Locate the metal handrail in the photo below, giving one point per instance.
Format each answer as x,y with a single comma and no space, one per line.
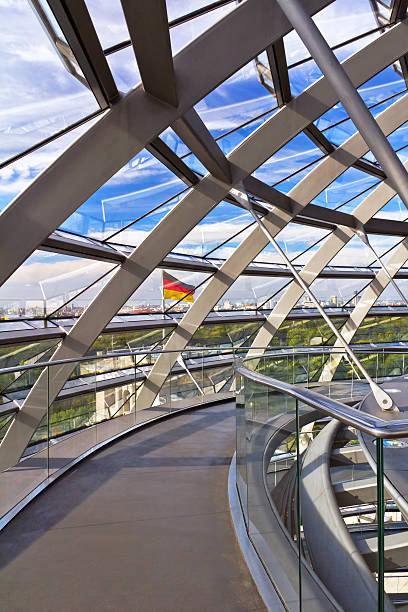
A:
272,351
373,426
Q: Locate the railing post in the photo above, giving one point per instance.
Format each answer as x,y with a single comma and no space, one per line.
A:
298,506
380,522
135,385
48,420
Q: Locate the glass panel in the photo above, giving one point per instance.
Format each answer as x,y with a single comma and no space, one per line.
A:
351,183
32,469
296,243
109,21
45,282
267,420
116,406
237,100
289,456
338,22
249,293
178,8
224,221
124,68
18,175
135,190
136,230
39,97
291,158
305,332
72,417
184,33
75,307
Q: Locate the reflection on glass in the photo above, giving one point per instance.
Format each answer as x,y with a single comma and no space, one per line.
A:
39,96
47,282
239,99
135,190
299,152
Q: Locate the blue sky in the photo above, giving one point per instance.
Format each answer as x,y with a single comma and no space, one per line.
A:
39,97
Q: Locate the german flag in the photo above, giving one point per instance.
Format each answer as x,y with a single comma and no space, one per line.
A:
174,289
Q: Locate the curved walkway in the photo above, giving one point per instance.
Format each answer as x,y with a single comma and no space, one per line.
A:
142,525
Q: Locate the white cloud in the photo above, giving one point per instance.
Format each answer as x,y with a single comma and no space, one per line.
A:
51,277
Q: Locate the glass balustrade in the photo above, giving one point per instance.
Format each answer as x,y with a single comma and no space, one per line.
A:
281,440
79,405
321,485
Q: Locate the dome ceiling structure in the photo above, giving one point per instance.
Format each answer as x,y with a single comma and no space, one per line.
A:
134,133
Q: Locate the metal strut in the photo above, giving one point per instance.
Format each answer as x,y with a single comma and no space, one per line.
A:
328,63
183,364
360,232
383,399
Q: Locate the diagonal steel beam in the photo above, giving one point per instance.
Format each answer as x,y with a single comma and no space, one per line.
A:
76,23
350,98
369,168
372,204
319,139
327,171
279,72
138,118
398,10
168,158
195,135
395,262
148,27
382,398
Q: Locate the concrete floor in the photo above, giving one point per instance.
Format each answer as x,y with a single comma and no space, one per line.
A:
143,525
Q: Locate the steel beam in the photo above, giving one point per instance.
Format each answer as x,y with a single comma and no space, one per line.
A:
329,169
372,204
398,10
76,23
195,135
133,123
168,158
369,168
244,160
348,95
279,72
148,27
319,139
33,215
398,258
61,243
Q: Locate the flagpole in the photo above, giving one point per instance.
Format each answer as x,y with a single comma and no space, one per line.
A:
163,300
